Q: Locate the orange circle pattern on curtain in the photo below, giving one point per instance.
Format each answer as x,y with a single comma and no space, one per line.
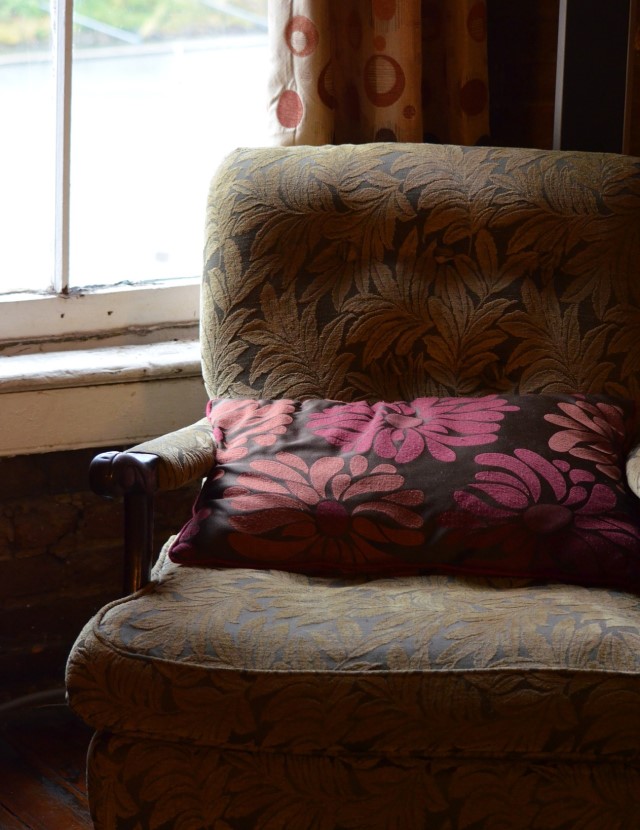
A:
379,70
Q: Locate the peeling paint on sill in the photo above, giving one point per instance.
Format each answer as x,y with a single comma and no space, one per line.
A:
99,366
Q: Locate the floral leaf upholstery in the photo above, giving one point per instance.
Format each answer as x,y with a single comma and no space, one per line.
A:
214,677
397,668
261,791
183,455
400,270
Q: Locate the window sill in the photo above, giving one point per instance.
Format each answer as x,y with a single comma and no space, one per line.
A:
98,397
29,321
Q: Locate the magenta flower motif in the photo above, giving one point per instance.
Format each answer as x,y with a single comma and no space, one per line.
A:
190,531
403,431
236,422
542,518
183,544
329,514
594,432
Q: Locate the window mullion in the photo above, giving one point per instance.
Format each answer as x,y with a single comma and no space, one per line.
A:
62,18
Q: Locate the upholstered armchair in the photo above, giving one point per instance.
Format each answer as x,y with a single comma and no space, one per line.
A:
409,593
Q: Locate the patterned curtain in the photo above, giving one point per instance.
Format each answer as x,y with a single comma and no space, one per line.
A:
354,71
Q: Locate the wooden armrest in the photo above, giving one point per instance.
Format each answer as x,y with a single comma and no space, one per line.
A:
164,463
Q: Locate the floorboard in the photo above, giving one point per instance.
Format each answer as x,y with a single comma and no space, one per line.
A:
42,770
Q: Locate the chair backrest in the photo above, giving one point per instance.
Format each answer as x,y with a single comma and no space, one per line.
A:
390,271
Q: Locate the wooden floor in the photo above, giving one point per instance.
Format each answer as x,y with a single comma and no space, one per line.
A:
42,769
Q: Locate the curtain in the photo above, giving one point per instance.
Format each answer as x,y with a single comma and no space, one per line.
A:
355,71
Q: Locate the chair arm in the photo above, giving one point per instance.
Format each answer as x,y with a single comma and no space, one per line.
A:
164,463
633,470
178,458
183,455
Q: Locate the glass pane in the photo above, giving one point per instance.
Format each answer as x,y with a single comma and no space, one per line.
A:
163,89
26,147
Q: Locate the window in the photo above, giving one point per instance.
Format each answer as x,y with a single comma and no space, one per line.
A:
115,114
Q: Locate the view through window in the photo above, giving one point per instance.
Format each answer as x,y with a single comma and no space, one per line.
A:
161,91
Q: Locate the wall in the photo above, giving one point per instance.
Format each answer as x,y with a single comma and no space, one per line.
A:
522,70
60,561
635,105
522,67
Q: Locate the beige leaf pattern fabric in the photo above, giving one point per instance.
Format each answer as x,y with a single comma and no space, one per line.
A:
264,791
271,683
399,270
183,455
240,699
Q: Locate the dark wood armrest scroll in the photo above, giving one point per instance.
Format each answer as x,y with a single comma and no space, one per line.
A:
131,475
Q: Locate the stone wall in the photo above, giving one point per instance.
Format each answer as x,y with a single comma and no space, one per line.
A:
60,561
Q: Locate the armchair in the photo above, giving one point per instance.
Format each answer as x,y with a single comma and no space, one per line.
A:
476,688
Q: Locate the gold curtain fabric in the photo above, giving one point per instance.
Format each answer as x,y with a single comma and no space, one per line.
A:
357,71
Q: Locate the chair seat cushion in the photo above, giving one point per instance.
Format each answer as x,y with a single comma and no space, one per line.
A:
430,666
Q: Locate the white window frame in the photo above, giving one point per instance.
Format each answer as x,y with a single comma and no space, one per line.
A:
64,313
41,320
95,366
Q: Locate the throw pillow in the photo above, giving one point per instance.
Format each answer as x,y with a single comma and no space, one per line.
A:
500,485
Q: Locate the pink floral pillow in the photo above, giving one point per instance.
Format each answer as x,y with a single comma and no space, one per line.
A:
514,486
